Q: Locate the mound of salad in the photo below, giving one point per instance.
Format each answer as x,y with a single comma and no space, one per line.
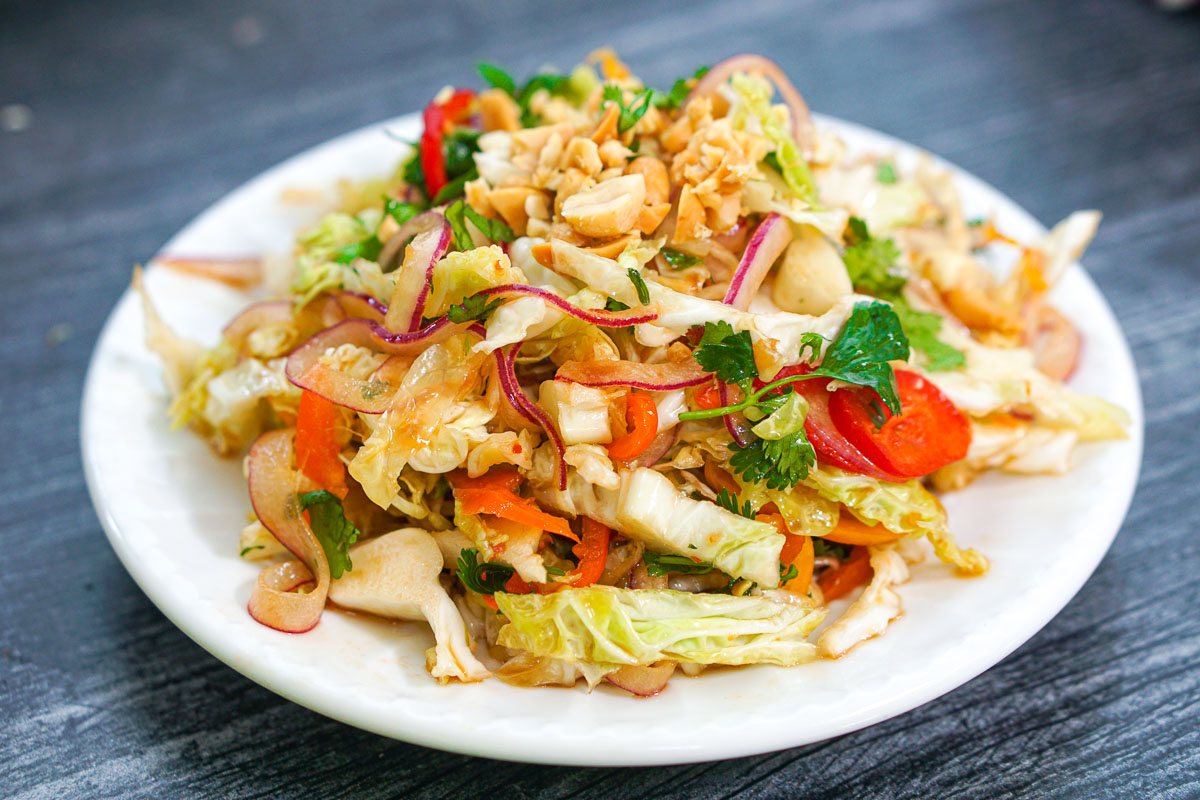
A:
606,382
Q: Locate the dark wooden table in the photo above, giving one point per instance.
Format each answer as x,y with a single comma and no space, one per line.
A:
122,120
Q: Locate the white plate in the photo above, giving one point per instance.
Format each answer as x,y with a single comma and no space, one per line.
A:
172,511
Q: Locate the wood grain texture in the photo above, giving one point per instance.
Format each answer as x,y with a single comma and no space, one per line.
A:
146,112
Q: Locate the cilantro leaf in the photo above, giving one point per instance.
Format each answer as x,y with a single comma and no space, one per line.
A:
787,572
332,529
921,328
493,229
871,337
664,564
414,173
639,284
475,308
401,212
612,304
496,77
456,215
631,113
886,173
729,502
679,92
677,260
779,463
454,188
486,578
369,248
727,354
869,261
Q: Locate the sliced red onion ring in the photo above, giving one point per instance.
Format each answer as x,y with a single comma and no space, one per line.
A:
506,358
273,487
770,239
736,424
802,127
657,448
605,319
370,397
412,284
254,317
663,377
362,306
240,273
421,223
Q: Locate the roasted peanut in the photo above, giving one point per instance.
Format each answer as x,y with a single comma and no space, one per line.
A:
498,111
811,276
607,209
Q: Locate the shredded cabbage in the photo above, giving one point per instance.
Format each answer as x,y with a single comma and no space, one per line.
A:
606,625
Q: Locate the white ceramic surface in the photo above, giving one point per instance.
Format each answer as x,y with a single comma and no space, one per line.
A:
172,511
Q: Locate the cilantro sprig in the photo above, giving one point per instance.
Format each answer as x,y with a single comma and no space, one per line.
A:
475,308
871,337
332,529
679,91
869,263
631,112
729,501
488,577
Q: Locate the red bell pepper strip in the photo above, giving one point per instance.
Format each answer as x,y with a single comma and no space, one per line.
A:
852,573
641,417
592,552
318,454
797,551
495,494
438,117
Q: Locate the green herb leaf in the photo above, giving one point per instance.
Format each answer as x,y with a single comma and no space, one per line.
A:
679,92
456,215
665,564
455,188
727,354
251,547
729,502
475,308
824,547
414,173
555,571
886,173
613,304
332,529
493,229
921,328
678,260
871,337
496,77
813,343
369,248
639,284
630,114
869,262
486,578
400,212
787,572
779,463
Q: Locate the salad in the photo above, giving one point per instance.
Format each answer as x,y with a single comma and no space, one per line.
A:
606,382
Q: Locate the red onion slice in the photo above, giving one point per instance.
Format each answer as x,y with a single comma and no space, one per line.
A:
736,424
273,487
663,377
421,223
362,306
415,274
657,449
370,397
770,239
506,358
802,127
604,319
258,315
240,273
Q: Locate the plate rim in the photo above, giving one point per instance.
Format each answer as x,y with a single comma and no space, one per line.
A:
518,750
